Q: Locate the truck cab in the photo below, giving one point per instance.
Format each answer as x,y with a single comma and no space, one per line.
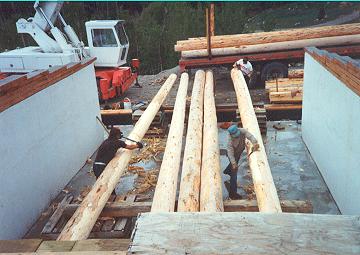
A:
108,42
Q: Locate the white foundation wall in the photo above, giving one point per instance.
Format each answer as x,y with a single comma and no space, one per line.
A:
330,130
45,140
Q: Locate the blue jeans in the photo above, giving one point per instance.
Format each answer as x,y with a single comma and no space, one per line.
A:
233,178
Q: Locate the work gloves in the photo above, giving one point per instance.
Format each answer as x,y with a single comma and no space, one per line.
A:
140,145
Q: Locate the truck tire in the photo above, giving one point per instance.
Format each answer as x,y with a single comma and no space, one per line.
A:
253,81
272,70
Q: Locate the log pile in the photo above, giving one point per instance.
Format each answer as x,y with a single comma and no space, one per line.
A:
271,41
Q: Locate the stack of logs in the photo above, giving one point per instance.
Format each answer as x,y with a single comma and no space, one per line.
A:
285,93
270,41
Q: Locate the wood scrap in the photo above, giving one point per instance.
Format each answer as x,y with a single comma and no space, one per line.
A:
155,146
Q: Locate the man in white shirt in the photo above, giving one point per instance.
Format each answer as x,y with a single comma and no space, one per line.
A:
246,68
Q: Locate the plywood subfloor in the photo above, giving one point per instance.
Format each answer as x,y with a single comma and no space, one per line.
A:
245,233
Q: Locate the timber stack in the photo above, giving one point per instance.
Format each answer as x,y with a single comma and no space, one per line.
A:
292,39
285,93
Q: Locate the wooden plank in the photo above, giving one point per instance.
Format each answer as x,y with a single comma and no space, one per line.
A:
283,81
93,235
121,223
283,107
245,233
102,245
55,217
116,112
133,209
71,253
286,96
56,246
23,245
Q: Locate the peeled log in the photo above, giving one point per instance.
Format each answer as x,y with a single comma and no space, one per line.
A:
268,37
189,194
266,194
211,199
81,223
286,45
165,192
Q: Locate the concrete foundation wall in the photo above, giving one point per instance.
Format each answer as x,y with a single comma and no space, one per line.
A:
330,129
45,140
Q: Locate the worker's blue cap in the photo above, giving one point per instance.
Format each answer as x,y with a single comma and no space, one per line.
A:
234,131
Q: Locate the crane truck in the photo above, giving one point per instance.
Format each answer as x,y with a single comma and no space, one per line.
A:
107,40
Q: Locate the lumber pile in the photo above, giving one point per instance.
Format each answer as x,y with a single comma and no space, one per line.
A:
285,90
270,41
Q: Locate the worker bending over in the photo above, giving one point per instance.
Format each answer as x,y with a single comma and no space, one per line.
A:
236,146
108,149
246,68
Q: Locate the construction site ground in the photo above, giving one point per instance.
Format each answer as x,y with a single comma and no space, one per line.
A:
224,88
295,174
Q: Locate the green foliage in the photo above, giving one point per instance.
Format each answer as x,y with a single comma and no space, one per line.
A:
153,28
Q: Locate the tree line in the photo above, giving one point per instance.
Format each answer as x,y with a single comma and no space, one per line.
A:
152,27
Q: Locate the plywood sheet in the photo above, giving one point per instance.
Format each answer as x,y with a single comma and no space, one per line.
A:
245,233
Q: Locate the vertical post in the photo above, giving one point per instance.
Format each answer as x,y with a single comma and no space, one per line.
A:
208,33
212,19
266,194
81,223
211,199
165,192
189,194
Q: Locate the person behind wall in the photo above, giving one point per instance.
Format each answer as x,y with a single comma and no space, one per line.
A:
235,147
108,149
246,68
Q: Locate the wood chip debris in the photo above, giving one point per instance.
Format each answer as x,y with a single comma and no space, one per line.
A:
154,146
146,180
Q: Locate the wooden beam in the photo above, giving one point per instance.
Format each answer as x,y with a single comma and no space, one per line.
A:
264,186
276,46
269,37
208,34
122,209
211,186
55,217
212,20
282,107
80,224
165,191
286,96
23,245
189,194
116,112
